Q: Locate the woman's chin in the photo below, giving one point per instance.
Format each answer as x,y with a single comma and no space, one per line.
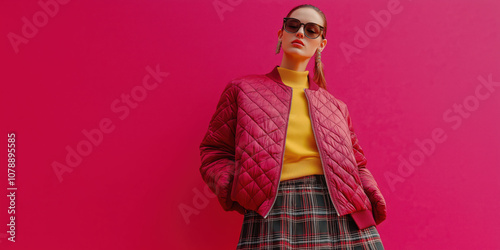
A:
296,52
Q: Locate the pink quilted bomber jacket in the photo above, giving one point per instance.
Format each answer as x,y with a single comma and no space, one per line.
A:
243,150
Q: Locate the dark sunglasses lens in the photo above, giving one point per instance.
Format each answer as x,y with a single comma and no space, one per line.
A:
292,25
312,30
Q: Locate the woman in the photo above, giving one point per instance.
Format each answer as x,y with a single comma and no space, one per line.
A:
281,150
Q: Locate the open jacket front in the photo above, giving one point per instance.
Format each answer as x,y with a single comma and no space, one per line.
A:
243,150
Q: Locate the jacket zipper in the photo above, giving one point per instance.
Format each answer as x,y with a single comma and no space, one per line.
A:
319,150
283,159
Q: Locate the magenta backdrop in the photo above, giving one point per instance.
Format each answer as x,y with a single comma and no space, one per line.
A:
110,100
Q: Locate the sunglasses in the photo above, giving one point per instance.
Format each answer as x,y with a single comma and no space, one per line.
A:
311,30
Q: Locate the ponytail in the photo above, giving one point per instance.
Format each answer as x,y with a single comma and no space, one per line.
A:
319,74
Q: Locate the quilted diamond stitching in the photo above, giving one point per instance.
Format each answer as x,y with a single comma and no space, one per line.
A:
328,124
245,156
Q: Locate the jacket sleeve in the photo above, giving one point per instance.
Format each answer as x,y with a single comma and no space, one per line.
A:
217,150
370,186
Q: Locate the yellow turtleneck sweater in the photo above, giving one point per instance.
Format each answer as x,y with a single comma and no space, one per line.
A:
301,152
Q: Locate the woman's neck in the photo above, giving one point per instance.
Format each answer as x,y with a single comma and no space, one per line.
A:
294,64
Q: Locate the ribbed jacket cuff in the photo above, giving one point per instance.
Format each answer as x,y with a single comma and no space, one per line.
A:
364,219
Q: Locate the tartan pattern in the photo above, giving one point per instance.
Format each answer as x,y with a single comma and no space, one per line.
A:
303,217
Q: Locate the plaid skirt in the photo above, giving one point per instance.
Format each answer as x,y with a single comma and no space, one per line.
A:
303,217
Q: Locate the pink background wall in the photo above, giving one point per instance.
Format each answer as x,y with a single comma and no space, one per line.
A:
423,91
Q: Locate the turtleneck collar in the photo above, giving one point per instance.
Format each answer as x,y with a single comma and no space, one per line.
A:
275,76
294,79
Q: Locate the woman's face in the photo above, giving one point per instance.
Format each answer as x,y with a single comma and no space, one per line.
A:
305,15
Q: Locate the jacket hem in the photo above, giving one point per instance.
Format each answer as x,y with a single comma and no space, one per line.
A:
363,219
